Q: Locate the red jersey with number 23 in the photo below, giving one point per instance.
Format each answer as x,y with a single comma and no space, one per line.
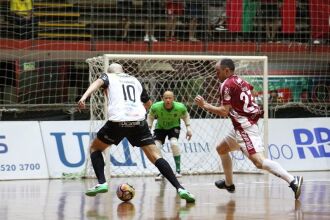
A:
237,92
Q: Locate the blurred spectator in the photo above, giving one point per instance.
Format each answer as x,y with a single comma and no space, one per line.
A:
217,16
193,12
153,11
174,9
21,15
270,12
125,9
273,96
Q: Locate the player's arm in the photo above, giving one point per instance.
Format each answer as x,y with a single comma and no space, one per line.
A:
148,104
151,116
145,99
222,110
186,120
92,88
150,119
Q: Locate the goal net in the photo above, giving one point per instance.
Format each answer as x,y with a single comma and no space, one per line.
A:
187,76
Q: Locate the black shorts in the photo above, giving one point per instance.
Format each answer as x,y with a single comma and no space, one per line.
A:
160,134
136,132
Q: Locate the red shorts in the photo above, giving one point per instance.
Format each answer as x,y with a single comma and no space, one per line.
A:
174,8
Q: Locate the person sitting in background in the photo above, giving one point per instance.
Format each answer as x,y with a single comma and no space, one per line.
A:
152,7
270,11
217,17
21,15
273,97
193,11
174,9
124,9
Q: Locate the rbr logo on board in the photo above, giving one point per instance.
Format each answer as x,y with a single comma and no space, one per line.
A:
316,142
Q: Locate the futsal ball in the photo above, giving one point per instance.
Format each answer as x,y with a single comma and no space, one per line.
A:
125,192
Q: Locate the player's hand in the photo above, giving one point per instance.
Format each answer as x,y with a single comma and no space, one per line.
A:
199,100
81,104
188,135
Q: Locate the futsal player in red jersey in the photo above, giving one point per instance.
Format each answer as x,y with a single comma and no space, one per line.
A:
237,102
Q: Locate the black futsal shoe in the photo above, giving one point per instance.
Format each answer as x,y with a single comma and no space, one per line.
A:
221,184
295,185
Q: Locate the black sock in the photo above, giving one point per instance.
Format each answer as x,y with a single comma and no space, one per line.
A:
98,166
167,172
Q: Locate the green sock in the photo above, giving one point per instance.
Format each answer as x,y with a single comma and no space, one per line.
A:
177,160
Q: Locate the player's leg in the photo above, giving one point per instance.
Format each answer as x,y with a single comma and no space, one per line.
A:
226,145
295,182
159,137
142,137
159,146
166,170
259,160
173,136
96,149
152,153
97,159
109,131
253,147
176,155
163,166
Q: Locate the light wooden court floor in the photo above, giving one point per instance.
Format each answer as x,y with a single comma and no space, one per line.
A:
257,196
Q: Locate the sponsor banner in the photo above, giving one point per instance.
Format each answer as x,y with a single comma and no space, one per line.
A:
300,144
22,153
297,144
66,144
49,149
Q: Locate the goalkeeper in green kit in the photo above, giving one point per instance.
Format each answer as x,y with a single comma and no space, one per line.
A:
168,114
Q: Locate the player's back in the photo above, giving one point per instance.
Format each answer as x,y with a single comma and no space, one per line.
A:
238,93
124,98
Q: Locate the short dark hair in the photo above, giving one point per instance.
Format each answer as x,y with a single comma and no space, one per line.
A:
228,63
